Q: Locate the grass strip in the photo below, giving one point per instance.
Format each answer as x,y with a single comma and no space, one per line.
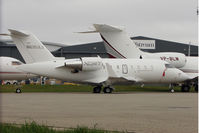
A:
85,88
33,127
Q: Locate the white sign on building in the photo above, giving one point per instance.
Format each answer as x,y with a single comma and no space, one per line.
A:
145,44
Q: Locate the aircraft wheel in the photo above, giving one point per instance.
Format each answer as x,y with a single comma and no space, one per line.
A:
15,83
185,88
196,88
171,86
97,89
18,90
172,90
107,90
8,83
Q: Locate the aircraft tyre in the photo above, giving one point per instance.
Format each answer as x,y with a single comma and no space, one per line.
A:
8,83
15,83
185,88
18,90
171,86
172,90
97,89
196,87
107,90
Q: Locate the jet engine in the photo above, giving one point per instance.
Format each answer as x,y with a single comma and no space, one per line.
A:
178,60
84,64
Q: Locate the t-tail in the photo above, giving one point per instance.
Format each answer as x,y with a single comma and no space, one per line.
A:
118,43
30,47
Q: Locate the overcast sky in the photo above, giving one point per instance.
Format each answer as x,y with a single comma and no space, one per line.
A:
57,20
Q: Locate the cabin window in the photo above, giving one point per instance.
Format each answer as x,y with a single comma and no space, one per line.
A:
124,69
16,63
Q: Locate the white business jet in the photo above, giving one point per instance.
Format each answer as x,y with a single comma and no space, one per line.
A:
119,45
9,71
92,70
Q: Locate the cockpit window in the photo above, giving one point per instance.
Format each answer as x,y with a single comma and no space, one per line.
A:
169,66
16,63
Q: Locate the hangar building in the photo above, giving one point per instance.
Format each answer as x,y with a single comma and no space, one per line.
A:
8,48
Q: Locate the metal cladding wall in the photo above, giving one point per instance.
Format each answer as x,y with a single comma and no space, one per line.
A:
168,46
82,50
10,50
98,49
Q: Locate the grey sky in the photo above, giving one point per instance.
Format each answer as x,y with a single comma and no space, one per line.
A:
57,20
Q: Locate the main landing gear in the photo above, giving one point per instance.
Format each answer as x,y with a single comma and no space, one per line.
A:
196,87
107,89
98,89
185,88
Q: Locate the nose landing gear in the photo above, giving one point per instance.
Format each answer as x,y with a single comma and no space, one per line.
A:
171,87
18,90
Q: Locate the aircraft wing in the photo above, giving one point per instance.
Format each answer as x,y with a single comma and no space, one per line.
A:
114,75
131,78
192,75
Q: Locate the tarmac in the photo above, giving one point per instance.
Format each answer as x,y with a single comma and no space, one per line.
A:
132,112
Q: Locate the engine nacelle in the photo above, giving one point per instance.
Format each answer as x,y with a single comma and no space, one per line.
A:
91,63
85,64
178,60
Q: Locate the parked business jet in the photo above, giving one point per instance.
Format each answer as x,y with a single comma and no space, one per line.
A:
119,45
9,71
92,70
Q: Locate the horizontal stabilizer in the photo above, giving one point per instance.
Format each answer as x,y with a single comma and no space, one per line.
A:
18,33
4,34
88,32
107,28
103,27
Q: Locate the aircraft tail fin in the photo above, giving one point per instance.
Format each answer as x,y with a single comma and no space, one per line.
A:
117,42
30,47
